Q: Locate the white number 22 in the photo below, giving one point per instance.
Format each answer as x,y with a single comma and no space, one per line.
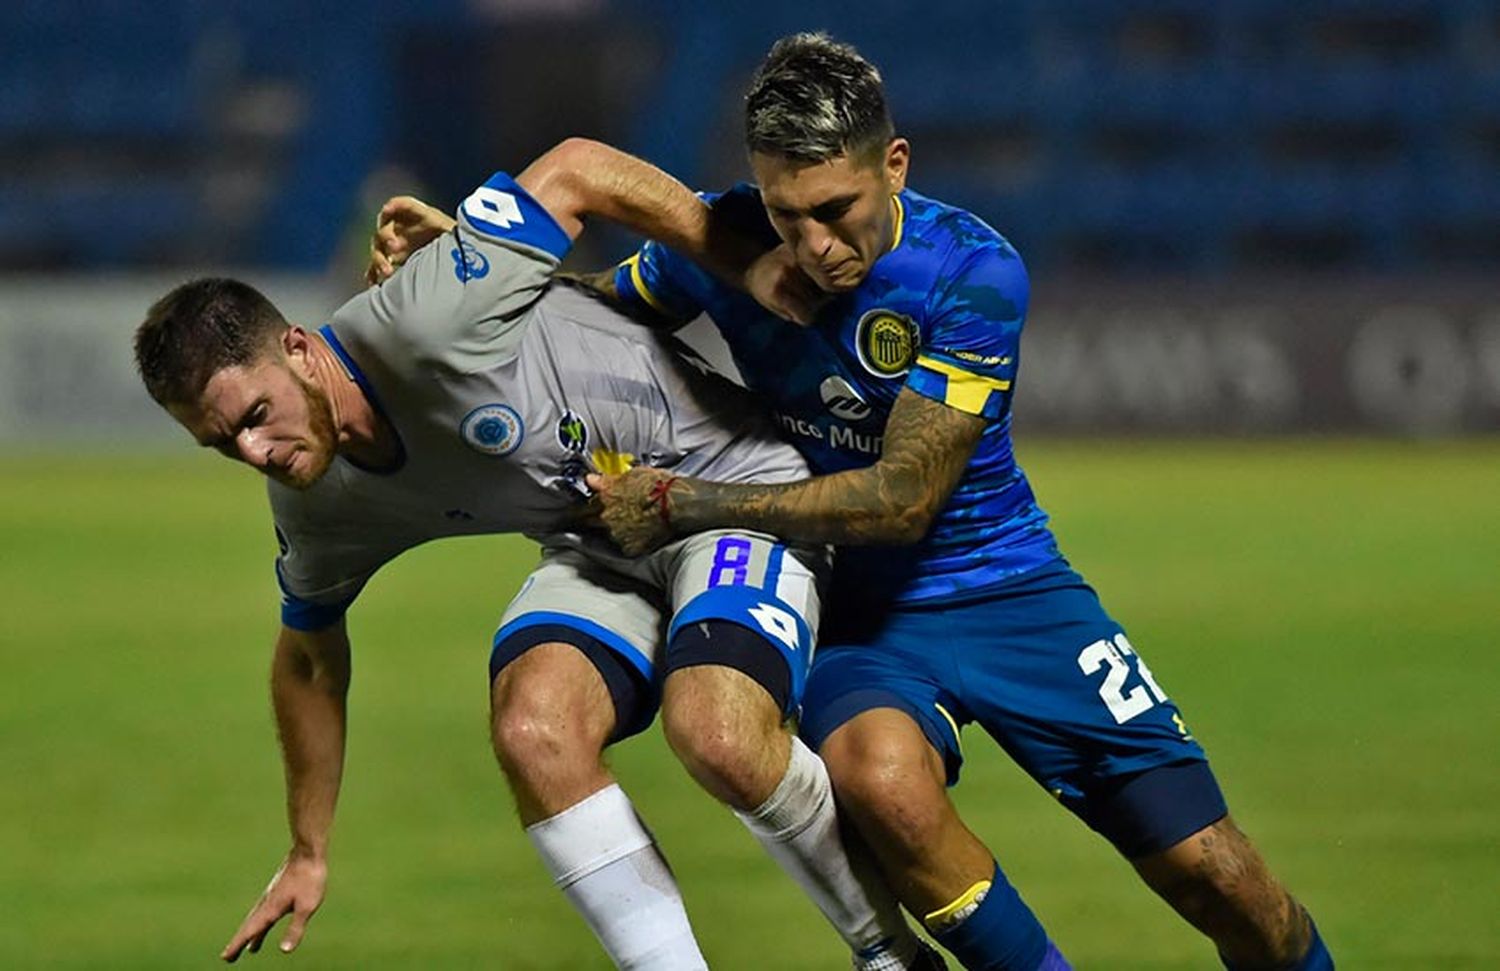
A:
1121,704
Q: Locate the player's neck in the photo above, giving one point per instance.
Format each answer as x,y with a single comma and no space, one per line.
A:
363,435
893,225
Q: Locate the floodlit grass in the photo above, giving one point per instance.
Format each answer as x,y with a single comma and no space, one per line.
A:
1326,612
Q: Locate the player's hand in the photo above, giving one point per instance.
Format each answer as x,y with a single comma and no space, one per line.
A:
635,507
778,284
296,889
405,224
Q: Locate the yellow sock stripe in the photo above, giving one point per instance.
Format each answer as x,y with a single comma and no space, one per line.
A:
943,915
634,262
966,390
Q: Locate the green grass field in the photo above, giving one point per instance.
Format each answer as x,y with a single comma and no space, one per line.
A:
1327,613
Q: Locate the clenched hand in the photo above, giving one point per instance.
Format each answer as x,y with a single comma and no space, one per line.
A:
405,224
778,284
635,507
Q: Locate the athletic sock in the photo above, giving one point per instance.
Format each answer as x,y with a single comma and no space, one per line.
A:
607,864
1317,957
990,927
800,830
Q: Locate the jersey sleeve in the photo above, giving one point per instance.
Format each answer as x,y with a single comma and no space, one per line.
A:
971,351
301,612
320,570
661,281
460,298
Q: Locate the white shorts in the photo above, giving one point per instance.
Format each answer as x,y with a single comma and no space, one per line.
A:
633,606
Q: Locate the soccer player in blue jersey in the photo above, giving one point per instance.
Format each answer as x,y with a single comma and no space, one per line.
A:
899,395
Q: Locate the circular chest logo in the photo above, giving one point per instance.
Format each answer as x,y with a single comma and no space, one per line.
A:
493,429
887,343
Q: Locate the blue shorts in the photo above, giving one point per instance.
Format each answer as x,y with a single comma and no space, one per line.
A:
1040,666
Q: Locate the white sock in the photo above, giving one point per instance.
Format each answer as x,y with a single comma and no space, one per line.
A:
797,825
606,862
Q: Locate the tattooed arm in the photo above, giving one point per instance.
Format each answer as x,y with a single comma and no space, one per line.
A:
601,282
893,502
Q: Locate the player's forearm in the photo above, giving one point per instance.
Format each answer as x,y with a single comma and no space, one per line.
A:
870,506
581,178
926,447
309,685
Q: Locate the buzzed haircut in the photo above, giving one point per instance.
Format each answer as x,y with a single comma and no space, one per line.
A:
199,328
813,99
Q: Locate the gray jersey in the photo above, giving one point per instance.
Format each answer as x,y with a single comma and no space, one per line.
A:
505,390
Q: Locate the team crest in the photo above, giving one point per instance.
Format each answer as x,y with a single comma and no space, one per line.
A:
493,429
469,263
572,433
887,343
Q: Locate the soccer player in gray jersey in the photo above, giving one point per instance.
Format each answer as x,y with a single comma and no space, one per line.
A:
469,395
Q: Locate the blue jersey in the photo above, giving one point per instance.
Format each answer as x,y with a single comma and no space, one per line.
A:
940,313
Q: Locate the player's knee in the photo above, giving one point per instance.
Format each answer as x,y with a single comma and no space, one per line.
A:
712,753
887,779
541,724
726,735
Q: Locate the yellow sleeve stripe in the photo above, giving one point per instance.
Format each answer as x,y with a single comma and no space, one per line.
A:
966,391
634,262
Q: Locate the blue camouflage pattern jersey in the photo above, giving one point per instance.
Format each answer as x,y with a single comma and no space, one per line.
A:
940,313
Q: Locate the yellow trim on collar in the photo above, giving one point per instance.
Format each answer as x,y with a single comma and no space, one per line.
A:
900,222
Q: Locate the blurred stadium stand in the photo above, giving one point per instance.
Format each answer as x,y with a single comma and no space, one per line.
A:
1101,134
1245,216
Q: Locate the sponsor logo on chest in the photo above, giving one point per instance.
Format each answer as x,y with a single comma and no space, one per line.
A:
836,435
573,438
572,433
842,399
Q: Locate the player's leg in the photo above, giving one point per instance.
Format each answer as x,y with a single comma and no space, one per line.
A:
736,660
562,687
892,747
551,715
1065,693
1220,884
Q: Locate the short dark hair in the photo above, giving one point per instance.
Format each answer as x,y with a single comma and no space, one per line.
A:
813,99
199,328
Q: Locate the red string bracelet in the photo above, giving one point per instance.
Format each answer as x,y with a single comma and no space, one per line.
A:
658,495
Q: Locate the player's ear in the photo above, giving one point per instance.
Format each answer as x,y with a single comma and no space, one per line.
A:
897,157
296,344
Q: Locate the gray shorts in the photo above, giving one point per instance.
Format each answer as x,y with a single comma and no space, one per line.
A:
633,606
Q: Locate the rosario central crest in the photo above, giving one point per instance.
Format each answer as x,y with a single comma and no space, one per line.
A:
887,343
